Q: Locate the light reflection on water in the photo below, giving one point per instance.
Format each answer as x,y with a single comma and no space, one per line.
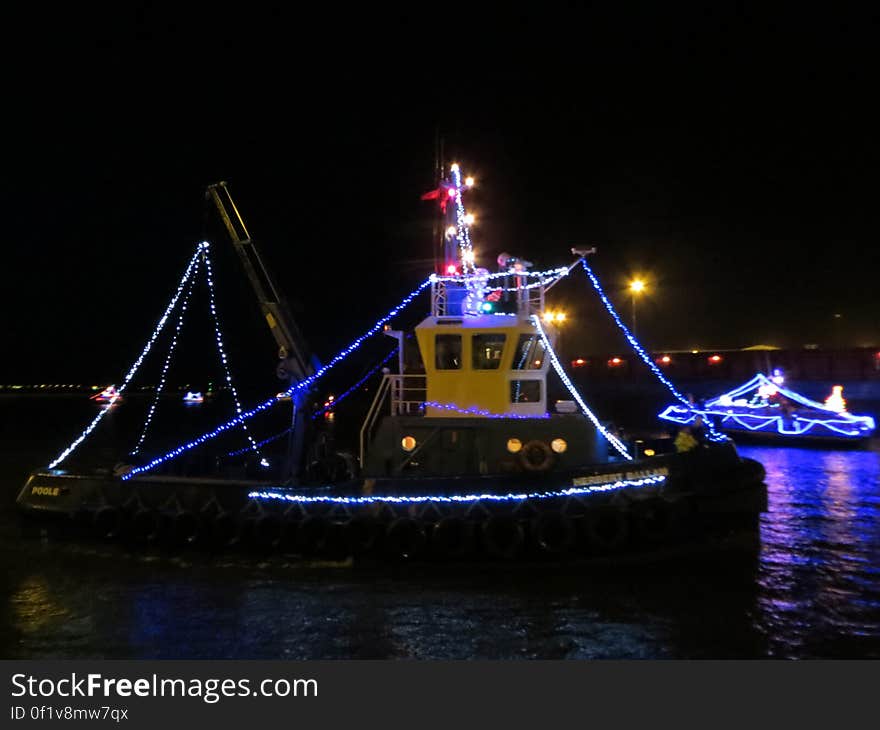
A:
819,573
814,590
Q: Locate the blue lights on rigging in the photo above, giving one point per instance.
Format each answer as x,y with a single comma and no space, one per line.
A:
305,383
713,434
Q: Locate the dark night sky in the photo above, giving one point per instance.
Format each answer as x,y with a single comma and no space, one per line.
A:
729,155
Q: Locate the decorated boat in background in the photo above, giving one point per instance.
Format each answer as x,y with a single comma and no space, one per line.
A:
462,455
764,409
109,395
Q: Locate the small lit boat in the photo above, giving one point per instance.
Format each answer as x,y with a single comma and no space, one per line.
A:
191,397
764,409
108,395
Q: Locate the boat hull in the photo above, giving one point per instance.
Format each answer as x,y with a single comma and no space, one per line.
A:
707,499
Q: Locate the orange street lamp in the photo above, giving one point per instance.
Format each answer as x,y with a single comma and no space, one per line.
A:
636,286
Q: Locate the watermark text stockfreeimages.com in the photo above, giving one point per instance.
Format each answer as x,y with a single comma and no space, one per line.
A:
208,690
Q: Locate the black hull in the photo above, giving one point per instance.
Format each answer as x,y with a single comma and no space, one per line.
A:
628,511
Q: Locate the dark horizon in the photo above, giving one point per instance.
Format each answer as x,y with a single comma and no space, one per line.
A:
730,161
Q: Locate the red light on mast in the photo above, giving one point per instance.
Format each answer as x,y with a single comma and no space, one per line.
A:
451,192
451,270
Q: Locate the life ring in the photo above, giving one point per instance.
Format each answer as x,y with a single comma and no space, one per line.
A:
267,531
452,537
183,528
503,536
107,521
553,532
405,538
146,525
336,540
607,528
290,533
361,534
311,534
536,456
223,529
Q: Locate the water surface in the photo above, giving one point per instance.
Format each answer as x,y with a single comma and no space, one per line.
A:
813,592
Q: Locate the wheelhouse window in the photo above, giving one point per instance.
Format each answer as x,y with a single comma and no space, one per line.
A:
525,391
447,352
529,353
487,351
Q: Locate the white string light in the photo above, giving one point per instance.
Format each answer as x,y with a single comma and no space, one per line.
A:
612,439
220,349
305,383
463,228
137,363
646,481
557,272
171,348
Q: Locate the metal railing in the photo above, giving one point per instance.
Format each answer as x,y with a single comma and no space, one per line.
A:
406,395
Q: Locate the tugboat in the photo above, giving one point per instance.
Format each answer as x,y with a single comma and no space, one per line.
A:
763,409
461,454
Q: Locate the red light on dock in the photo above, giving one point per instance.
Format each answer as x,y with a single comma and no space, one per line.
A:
579,363
665,360
714,359
615,362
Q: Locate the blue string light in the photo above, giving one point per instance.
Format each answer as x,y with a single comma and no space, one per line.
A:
357,385
474,411
713,434
552,273
800,425
612,439
840,423
460,498
262,443
168,358
326,408
305,383
137,363
535,285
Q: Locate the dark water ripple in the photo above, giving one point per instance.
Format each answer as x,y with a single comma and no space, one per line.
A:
813,592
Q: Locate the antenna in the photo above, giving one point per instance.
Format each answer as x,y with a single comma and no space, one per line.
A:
439,227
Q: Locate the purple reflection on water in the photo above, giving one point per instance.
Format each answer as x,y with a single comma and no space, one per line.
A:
819,572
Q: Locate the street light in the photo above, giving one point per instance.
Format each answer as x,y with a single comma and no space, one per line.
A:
552,316
555,317
636,286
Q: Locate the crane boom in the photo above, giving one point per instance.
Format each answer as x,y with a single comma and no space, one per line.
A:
291,344
295,363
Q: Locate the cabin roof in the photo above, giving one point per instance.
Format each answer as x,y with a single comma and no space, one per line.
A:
480,322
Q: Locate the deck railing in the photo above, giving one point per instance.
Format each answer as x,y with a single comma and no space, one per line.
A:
406,396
